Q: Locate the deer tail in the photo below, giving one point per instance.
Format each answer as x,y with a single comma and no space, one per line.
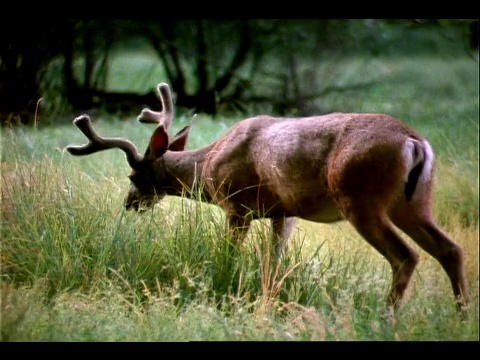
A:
421,163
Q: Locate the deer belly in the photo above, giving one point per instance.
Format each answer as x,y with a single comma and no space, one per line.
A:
321,210
327,215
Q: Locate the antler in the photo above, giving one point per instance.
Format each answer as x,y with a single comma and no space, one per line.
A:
165,116
98,143
160,117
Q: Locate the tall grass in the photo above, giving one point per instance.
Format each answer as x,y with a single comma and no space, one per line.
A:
76,266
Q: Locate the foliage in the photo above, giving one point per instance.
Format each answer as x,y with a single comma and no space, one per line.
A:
212,64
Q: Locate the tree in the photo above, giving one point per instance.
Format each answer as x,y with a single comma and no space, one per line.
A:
23,56
212,65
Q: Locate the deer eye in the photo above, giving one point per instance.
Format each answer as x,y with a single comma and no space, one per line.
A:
142,182
138,180
133,178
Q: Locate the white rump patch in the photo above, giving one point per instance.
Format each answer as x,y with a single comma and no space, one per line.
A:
429,159
408,154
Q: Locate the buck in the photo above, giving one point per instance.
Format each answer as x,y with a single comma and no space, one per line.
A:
369,169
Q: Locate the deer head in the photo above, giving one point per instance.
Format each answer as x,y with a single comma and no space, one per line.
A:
149,180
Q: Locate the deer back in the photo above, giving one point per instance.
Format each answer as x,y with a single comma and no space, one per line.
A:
295,166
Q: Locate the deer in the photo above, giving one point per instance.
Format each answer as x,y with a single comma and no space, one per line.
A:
369,169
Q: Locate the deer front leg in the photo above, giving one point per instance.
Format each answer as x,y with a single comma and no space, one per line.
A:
237,228
281,231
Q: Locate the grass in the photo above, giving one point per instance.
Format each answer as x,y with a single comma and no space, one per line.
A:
76,267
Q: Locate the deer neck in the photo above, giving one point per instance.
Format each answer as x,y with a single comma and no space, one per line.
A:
183,170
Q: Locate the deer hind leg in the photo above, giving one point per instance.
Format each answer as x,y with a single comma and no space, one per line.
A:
281,230
376,229
416,222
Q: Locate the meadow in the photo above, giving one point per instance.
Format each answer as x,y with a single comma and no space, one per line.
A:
75,266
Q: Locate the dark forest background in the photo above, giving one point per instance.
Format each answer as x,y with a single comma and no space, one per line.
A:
213,65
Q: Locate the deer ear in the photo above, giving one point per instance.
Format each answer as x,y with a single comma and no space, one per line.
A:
180,139
158,143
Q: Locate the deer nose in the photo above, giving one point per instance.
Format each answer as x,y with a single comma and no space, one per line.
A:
131,205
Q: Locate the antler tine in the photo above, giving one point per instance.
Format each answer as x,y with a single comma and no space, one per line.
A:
98,143
165,116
